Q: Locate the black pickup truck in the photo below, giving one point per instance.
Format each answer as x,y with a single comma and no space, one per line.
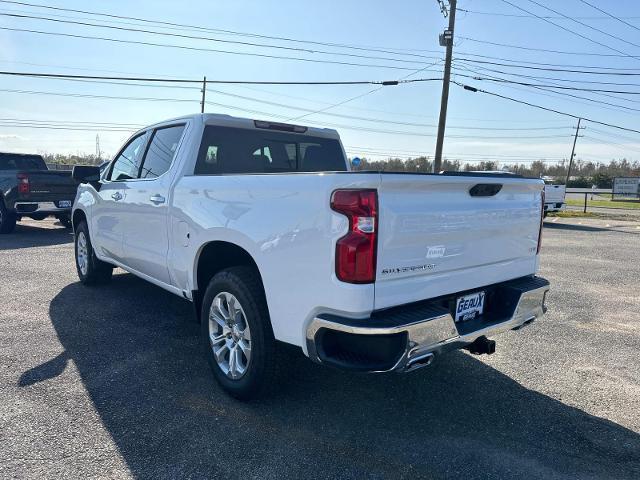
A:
29,189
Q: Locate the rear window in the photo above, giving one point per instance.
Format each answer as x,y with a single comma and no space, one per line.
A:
239,150
10,161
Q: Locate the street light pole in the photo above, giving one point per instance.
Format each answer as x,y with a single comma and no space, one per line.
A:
445,39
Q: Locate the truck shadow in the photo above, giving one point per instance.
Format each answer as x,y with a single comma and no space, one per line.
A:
137,351
28,236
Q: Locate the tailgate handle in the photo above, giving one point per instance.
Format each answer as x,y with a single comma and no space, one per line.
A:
485,189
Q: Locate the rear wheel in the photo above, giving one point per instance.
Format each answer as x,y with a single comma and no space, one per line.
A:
7,219
91,271
237,336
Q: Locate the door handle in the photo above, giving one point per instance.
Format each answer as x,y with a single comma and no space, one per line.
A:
157,199
116,196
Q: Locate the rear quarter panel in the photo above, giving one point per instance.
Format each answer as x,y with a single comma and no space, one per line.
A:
285,223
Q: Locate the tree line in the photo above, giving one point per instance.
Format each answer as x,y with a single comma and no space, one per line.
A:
583,173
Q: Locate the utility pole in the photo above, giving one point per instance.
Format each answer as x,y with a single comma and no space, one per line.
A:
98,152
446,39
573,152
204,92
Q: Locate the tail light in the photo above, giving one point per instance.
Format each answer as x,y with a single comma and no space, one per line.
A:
23,183
356,251
541,221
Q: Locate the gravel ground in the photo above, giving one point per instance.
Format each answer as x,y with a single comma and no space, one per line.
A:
109,382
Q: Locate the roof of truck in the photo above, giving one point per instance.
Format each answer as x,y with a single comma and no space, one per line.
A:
241,122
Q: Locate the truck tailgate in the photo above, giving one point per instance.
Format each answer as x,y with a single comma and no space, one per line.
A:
436,238
554,193
50,185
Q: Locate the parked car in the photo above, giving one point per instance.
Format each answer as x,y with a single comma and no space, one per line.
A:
29,189
264,228
554,197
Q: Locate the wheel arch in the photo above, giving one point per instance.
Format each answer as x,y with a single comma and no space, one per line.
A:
214,257
78,216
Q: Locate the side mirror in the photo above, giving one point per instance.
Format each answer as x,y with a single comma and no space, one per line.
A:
85,173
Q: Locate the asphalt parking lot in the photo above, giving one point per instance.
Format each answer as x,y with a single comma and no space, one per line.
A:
109,382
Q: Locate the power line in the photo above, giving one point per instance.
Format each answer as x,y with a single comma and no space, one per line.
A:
617,71
230,82
559,87
571,80
515,15
211,39
72,122
546,50
203,49
571,95
350,99
615,135
620,146
559,112
390,132
86,95
610,15
520,61
568,29
65,127
218,30
349,46
603,32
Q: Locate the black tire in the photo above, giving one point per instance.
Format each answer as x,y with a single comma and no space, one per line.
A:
93,271
7,219
262,370
65,221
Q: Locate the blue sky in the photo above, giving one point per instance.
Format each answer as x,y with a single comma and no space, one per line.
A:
479,126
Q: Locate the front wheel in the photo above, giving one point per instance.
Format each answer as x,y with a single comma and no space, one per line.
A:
237,335
91,271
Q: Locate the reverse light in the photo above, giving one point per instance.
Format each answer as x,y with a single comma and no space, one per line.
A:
541,221
356,251
23,183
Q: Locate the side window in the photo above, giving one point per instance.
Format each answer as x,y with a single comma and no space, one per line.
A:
161,151
127,164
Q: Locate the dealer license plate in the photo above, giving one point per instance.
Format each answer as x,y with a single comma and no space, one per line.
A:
64,204
470,306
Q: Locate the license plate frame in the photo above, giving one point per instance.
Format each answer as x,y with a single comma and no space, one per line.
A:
65,204
469,306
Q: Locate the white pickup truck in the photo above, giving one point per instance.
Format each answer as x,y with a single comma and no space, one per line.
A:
264,228
554,197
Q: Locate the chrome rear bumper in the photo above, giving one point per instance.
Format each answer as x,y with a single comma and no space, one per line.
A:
406,337
28,208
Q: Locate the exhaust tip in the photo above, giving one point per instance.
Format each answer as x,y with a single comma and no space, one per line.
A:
419,362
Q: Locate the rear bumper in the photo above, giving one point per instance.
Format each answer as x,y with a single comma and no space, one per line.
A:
553,207
406,337
47,208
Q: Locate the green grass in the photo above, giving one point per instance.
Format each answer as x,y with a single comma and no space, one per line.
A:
604,203
572,214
